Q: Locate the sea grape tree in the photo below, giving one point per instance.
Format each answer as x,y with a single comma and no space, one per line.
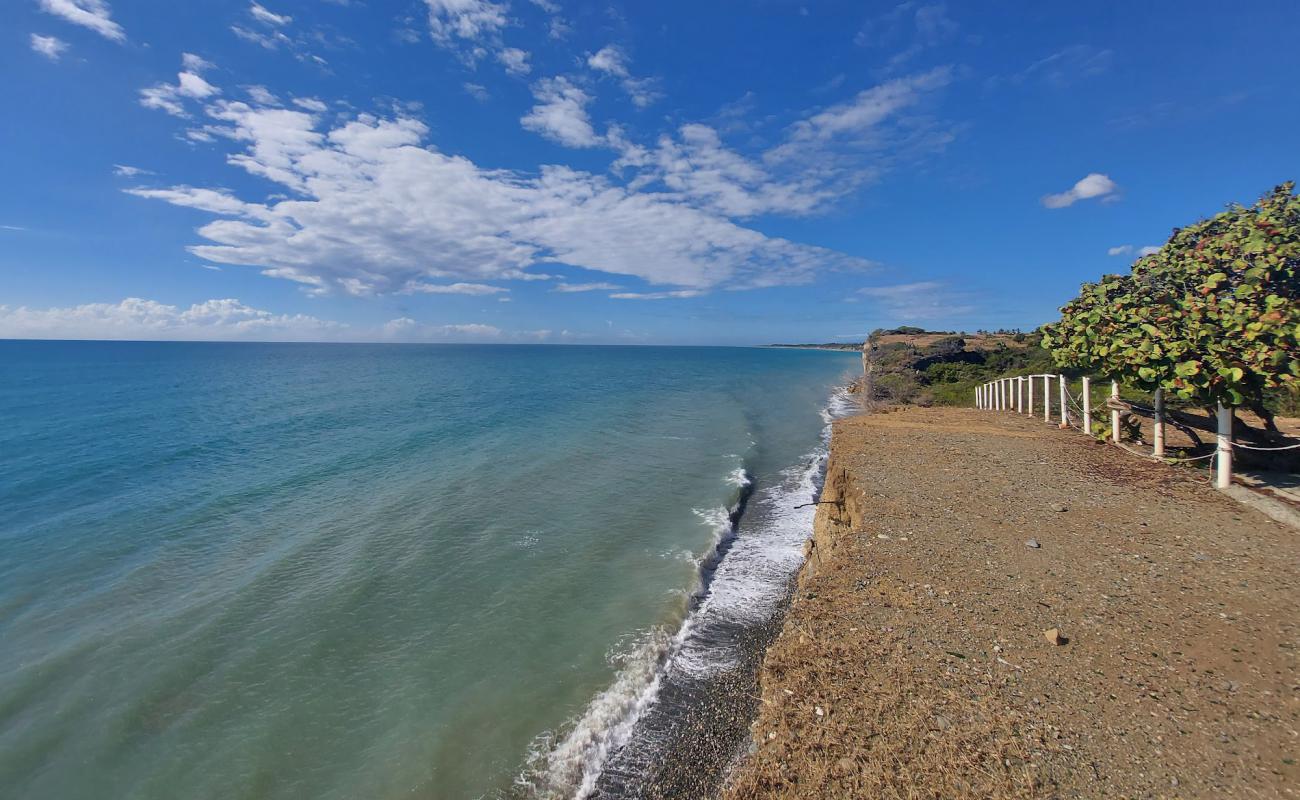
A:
1213,316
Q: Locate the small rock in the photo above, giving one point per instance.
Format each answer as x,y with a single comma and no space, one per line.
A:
1059,507
1033,543
1054,636
818,710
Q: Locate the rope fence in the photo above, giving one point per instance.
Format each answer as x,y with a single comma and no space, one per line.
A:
1018,394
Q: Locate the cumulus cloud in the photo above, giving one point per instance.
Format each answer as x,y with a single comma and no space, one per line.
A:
189,85
224,320
698,166
610,59
127,171
613,60
1121,250
1148,250
51,47
464,19
820,159
561,114
371,208
93,14
1091,186
515,61
136,318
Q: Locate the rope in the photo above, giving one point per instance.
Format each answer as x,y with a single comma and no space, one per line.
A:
1265,449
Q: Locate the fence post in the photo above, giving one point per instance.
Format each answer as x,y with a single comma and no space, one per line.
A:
1047,398
1114,413
1065,412
1223,473
1158,432
1087,406
1002,395
1030,385
1019,405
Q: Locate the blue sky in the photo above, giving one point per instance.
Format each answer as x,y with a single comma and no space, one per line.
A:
668,172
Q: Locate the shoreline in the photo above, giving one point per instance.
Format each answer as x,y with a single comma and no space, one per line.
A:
912,658
687,738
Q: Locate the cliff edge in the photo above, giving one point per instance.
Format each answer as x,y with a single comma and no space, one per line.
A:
992,608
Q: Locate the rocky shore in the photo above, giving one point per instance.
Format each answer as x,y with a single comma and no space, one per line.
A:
993,608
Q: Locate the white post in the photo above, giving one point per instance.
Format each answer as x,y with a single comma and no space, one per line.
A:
1002,395
1030,409
1223,473
1047,398
1158,434
1114,413
1087,406
1019,405
1065,412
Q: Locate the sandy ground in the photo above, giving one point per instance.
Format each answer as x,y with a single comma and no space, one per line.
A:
913,661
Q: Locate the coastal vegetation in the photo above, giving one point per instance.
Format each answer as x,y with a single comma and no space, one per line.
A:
1212,317
910,365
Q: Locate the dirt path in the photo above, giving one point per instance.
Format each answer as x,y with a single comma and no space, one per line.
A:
913,661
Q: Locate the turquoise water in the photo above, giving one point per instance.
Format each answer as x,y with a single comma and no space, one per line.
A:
338,571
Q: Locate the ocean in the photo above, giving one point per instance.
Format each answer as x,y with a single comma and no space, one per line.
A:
342,571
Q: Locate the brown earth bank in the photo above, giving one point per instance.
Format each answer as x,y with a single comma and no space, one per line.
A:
915,662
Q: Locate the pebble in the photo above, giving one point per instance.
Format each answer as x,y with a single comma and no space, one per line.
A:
1054,636
1033,543
1058,507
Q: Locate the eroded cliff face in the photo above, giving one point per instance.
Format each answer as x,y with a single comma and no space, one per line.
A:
839,511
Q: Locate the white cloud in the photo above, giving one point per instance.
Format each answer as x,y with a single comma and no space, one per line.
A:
93,14
407,329
226,320
858,122
126,171
134,318
1090,186
51,47
189,85
270,40
612,60
515,61
477,91
1121,250
679,294
262,96
609,59
919,301
568,288
698,166
266,17
311,104
561,114
475,289
464,19
372,208
194,63
1149,250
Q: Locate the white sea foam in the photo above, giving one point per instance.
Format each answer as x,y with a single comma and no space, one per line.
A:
747,587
